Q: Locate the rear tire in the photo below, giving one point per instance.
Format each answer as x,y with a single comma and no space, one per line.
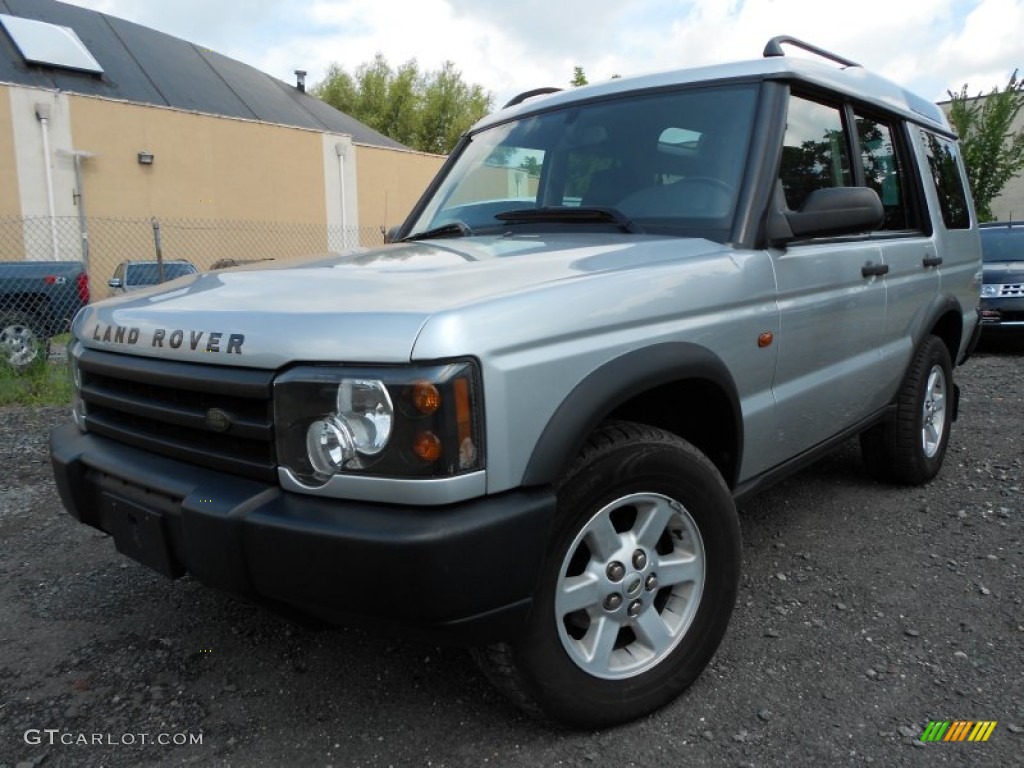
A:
909,447
637,586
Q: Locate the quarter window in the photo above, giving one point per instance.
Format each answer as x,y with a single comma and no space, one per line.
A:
949,184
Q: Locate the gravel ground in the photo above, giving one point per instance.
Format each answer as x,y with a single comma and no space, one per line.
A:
865,611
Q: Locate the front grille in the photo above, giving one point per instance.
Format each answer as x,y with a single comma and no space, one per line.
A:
1011,290
164,407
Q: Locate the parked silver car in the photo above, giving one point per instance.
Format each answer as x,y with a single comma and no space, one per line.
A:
1002,294
525,425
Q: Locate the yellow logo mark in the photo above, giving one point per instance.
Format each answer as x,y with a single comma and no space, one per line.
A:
959,730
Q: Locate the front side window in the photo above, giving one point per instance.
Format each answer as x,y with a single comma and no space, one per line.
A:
949,184
669,163
815,153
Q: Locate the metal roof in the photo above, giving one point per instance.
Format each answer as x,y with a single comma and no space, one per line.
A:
853,81
144,66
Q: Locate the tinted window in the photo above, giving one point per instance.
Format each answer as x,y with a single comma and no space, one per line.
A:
149,274
511,173
1002,243
949,184
815,153
884,171
670,162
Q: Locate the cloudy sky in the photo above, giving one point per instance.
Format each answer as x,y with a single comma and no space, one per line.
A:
507,47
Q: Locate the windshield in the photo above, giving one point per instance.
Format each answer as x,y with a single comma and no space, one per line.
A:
1002,243
669,163
149,274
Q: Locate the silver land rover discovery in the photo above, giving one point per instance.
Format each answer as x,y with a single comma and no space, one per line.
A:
525,426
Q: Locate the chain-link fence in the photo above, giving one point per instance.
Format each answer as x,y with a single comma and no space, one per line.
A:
51,266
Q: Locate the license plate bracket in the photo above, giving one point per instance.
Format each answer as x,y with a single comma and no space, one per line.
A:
139,533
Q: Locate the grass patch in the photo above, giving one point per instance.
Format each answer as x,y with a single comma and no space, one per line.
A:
40,383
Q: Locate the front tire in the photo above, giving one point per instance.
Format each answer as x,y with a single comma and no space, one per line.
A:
637,586
909,448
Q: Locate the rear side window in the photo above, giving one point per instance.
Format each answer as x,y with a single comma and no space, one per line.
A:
949,184
884,171
815,153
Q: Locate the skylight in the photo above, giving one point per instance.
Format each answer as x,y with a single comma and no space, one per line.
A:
49,44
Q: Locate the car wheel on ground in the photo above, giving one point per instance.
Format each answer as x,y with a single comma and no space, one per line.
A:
20,344
637,587
909,447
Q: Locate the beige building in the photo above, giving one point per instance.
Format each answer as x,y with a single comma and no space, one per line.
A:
141,139
1008,206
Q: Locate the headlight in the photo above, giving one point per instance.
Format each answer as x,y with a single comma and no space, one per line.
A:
78,412
989,289
403,422
365,406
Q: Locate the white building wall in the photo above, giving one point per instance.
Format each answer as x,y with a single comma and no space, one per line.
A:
340,192
31,161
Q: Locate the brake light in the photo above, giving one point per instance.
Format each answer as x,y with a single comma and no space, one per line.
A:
82,283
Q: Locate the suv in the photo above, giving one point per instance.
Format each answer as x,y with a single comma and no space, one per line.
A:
525,427
1002,294
136,275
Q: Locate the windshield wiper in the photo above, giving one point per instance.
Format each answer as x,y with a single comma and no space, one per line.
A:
452,229
599,215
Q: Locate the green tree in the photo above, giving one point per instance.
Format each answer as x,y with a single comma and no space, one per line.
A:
428,111
578,77
449,108
531,165
993,152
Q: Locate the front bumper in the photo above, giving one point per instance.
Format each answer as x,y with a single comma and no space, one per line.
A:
461,574
1003,313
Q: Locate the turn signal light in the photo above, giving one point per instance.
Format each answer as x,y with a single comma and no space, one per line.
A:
425,397
427,446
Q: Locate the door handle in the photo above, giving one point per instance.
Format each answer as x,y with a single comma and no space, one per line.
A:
873,270
931,261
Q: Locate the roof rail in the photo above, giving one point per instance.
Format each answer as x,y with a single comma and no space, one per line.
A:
774,48
529,95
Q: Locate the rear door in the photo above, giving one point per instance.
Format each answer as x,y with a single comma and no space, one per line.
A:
905,238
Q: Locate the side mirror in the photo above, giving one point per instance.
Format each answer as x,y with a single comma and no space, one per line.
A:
832,211
392,234
114,282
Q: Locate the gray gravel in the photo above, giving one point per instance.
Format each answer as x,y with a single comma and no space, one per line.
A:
865,611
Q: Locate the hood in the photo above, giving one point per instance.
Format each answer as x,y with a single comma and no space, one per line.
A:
361,307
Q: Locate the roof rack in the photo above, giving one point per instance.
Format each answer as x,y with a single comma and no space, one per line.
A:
529,95
774,48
